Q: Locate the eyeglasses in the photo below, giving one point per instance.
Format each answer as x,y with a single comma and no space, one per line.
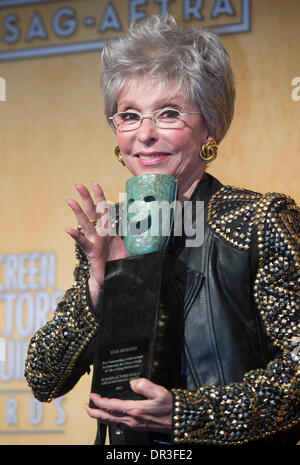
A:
166,118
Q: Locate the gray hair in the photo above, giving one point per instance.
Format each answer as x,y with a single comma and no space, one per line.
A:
193,57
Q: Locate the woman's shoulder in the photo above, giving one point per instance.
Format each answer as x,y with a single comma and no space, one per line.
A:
233,212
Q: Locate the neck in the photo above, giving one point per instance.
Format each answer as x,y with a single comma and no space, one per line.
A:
186,189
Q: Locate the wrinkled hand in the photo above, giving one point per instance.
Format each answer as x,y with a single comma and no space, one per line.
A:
152,414
98,245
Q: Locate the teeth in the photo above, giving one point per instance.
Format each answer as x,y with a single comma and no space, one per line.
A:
146,157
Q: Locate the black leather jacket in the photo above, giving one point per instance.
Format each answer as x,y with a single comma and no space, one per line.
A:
241,359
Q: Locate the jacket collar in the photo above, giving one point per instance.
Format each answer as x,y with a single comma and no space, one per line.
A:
206,187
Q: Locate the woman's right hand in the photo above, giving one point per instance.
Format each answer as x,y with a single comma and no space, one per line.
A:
98,248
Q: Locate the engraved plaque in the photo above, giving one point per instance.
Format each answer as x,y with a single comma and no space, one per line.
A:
141,324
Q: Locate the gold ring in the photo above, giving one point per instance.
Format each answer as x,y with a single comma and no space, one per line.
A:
94,222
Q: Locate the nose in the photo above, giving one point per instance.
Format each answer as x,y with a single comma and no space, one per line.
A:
147,132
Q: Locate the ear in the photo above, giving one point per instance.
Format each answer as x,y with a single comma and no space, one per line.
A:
208,134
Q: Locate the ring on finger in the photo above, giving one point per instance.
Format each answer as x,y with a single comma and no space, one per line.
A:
94,222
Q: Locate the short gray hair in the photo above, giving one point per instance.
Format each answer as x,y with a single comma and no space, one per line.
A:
194,57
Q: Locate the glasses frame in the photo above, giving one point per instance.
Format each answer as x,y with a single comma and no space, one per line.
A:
142,117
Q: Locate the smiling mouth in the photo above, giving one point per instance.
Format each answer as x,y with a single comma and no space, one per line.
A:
148,157
139,227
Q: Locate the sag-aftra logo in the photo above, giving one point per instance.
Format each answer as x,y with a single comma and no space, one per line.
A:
50,28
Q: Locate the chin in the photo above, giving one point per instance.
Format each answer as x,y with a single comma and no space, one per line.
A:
150,170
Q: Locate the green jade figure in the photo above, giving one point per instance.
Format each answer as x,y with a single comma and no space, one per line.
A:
150,206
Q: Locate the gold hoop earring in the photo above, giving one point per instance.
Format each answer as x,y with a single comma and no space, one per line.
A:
118,155
208,151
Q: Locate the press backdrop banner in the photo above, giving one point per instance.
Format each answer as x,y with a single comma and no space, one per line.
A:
54,28
53,134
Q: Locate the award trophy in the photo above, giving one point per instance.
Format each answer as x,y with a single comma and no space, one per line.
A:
141,317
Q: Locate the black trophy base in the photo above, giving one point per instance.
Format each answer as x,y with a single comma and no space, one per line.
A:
141,324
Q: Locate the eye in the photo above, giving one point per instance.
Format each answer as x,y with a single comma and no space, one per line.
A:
149,198
168,114
129,116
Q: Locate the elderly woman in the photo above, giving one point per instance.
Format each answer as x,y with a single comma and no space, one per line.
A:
169,96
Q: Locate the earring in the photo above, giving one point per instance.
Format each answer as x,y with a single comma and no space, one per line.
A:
118,155
208,151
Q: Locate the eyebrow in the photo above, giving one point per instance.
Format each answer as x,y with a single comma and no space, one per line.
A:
159,105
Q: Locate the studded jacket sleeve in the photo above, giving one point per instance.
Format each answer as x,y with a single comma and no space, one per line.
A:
58,353
267,400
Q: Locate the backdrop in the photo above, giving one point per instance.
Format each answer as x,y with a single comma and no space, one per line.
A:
53,135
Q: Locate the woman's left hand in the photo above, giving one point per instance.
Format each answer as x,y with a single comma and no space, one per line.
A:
152,414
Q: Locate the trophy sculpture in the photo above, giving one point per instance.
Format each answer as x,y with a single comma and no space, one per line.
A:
141,317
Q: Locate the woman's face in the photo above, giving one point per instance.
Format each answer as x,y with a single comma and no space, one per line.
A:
150,149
